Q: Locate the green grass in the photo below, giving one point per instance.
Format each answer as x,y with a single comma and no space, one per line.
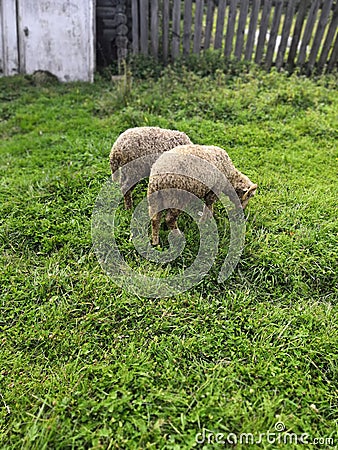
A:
85,364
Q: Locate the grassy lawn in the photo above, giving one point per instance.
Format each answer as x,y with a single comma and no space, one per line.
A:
85,364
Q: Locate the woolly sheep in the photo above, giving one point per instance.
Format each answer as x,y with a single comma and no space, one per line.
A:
135,143
166,173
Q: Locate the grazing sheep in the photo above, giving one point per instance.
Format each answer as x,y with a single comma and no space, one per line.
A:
192,168
136,143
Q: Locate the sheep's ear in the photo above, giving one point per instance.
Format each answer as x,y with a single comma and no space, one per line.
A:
240,193
249,192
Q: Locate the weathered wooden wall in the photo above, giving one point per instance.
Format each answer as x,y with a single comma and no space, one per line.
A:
113,30
53,36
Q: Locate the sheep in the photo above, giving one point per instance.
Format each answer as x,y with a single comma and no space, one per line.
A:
132,145
192,168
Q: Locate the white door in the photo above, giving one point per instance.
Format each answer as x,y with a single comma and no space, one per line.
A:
9,54
58,36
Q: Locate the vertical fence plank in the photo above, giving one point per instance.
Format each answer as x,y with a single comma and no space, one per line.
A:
209,23
154,28
241,28
187,26
198,26
165,30
319,34
252,29
262,31
303,6
144,25
334,56
230,28
175,48
273,33
290,10
220,24
135,26
329,39
308,31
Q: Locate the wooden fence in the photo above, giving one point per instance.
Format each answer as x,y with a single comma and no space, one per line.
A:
281,33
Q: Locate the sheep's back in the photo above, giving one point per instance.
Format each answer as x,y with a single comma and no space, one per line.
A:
142,141
184,168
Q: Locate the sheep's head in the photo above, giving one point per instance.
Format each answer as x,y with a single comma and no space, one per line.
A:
246,193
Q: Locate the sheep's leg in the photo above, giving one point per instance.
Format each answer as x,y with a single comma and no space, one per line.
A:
210,199
171,218
128,201
155,228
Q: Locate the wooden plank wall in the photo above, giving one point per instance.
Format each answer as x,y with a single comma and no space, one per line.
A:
281,33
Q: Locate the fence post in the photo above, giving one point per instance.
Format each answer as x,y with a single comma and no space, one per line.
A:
154,28
252,29
135,26
144,25
198,26
230,28
307,32
209,23
241,28
334,56
285,33
273,33
175,49
329,38
262,31
296,33
220,24
187,26
319,34
165,30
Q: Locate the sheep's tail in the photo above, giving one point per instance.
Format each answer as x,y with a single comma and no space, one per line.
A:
154,205
114,166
